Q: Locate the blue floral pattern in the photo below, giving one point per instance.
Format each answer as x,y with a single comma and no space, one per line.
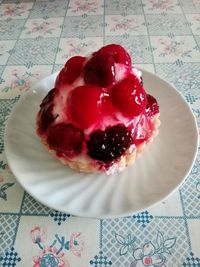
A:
53,255
153,255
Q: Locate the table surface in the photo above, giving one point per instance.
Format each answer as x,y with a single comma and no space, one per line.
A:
36,37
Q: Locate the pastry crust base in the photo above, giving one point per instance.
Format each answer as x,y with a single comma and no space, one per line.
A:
131,154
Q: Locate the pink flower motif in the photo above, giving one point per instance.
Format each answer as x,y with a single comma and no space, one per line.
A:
147,256
77,49
50,257
20,82
9,11
17,10
173,47
43,27
37,235
85,7
126,24
76,244
161,4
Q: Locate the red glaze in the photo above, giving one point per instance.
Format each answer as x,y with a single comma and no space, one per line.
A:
143,130
152,105
65,138
100,69
70,72
117,52
129,96
84,105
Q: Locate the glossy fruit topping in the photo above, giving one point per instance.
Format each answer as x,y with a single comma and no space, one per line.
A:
84,105
110,144
100,69
46,117
152,107
65,138
70,72
117,52
143,131
129,96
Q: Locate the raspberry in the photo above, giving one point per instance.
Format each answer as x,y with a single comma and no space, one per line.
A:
84,105
65,138
110,144
100,68
129,96
117,52
70,72
45,114
152,106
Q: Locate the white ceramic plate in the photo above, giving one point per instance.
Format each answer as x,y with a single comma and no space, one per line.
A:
160,170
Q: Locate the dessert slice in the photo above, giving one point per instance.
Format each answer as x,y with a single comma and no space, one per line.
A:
98,118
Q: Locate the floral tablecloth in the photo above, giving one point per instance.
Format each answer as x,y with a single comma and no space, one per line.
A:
36,37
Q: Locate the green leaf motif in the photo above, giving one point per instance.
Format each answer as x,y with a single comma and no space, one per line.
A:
120,239
169,243
123,250
167,251
159,239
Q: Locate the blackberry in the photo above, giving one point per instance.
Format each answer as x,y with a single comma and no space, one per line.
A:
110,144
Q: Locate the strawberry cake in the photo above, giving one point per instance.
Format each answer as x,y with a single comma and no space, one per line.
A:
98,117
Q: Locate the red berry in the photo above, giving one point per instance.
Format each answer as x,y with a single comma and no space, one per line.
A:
65,138
70,72
129,96
107,106
84,105
100,70
117,52
152,105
